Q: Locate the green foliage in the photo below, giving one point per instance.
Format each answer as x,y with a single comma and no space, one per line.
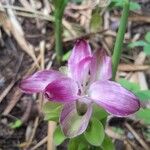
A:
147,37
142,43
78,143
120,38
95,132
119,3
129,85
59,7
144,115
134,6
66,56
143,95
52,111
99,113
137,43
76,1
96,21
147,49
17,124
59,136
107,144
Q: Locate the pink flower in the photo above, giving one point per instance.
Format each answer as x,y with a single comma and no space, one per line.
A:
87,82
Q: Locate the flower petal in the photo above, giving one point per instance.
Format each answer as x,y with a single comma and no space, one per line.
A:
80,51
72,124
101,66
62,90
114,98
81,71
39,80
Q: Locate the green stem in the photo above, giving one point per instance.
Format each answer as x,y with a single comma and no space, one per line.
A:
59,11
120,37
58,39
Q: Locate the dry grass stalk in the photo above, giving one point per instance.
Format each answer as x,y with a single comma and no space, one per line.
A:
132,67
138,138
43,141
11,25
51,129
6,91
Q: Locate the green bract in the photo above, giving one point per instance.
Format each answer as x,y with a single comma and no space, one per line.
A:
59,137
95,133
143,114
141,43
52,111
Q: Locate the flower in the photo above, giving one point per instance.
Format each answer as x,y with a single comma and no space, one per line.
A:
86,82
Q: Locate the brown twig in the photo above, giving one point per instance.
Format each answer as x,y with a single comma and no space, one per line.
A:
132,67
29,142
113,134
51,129
26,114
137,137
43,141
6,91
137,18
15,98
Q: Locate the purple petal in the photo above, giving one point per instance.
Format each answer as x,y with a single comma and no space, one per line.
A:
114,98
71,123
81,70
39,80
80,51
62,90
101,66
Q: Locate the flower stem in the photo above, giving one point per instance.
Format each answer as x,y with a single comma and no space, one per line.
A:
120,37
58,39
59,11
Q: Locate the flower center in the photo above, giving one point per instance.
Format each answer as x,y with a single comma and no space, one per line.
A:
81,108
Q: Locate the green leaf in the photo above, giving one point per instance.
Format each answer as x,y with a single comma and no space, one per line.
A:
56,3
129,85
66,56
76,1
143,95
147,49
135,6
144,115
116,3
17,124
59,136
95,132
147,37
119,4
107,144
83,146
73,144
136,44
78,143
95,22
98,112
52,111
